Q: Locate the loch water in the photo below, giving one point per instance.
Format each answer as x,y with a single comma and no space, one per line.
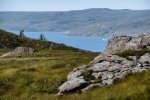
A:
90,43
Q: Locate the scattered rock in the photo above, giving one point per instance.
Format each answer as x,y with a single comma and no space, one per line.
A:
19,50
24,50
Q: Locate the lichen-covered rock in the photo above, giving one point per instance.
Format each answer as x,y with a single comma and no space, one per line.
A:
24,50
121,43
117,44
145,58
109,67
91,86
76,72
145,40
72,85
19,50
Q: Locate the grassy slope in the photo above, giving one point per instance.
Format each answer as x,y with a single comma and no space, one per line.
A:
133,87
9,40
38,77
39,73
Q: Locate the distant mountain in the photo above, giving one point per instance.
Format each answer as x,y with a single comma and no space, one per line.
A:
81,22
116,27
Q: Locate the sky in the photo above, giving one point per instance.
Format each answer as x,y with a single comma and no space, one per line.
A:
66,5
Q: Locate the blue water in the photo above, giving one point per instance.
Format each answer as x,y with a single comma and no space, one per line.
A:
95,44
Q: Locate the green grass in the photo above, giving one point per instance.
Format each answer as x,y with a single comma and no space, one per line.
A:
3,51
131,52
133,87
10,40
37,78
39,74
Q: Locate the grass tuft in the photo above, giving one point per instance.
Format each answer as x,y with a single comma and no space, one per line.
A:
131,52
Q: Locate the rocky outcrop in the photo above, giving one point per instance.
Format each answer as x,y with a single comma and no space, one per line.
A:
110,65
122,43
19,50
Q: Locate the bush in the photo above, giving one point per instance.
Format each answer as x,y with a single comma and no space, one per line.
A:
88,75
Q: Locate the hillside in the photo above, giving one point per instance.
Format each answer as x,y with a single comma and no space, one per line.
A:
10,41
114,28
39,76
81,22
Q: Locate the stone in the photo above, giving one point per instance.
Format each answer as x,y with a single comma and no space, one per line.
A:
132,58
71,85
91,86
108,66
135,43
107,82
75,74
24,50
145,58
145,40
100,66
19,50
117,44
110,75
122,43
114,67
97,75
138,70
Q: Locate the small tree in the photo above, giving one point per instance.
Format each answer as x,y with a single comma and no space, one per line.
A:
21,33
42,37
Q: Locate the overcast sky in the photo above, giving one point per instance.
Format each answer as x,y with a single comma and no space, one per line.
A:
65,5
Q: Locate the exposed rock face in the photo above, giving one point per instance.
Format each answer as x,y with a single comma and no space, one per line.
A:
19,50
73,84
24,50
108,66
122,43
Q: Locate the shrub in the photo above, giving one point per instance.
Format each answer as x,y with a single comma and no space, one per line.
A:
88,75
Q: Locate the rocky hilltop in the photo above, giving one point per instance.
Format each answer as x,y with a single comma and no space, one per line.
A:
124,55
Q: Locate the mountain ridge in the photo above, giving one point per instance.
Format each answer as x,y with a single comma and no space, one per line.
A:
71,20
